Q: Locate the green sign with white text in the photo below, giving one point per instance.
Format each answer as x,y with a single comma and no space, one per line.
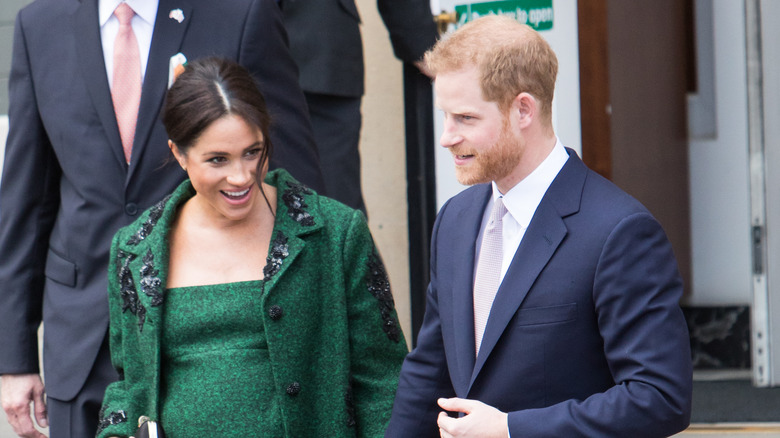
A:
536,13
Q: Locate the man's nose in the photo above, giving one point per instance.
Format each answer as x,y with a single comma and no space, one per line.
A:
450,136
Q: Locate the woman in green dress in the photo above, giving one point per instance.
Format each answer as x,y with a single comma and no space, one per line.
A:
244,304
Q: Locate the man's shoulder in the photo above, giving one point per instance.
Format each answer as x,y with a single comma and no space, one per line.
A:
601,193
470,194
579,188
471,197
41,10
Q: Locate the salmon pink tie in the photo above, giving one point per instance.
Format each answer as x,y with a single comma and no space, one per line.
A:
126,89
488,276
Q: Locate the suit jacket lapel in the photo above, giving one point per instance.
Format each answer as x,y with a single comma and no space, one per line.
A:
86,28
462,252
166,42
540,241
542,238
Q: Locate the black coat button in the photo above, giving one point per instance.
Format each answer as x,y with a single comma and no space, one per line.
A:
131,209
275,312
293,389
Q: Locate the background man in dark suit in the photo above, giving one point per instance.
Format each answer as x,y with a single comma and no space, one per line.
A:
67,186
326,44
552,309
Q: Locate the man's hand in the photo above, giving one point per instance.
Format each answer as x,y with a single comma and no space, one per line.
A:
17,391
481,420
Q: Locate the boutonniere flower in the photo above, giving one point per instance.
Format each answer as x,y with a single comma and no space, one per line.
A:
176,67
177,15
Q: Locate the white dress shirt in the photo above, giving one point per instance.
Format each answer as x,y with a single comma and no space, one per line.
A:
521,202
143,27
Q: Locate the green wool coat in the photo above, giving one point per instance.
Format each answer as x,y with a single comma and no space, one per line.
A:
333,336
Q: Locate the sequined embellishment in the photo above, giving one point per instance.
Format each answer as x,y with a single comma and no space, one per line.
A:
379,286
293,389
350,401
279,252
150,282
296,204
111,419
127,288
155,213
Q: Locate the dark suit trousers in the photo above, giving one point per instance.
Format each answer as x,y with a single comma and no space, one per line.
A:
336,124
78,418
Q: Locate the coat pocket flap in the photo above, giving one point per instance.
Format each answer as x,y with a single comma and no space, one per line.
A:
546,315
60,270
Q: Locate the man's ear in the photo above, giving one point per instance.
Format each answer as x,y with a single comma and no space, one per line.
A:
524,107
180,158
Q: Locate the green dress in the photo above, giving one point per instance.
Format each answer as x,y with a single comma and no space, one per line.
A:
324,309
217,378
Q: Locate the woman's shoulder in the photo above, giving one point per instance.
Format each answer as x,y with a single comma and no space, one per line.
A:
335,210
305,205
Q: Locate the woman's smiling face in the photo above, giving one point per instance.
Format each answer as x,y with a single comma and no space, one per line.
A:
222,166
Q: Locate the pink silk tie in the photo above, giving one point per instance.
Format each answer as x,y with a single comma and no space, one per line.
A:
487,278
126,88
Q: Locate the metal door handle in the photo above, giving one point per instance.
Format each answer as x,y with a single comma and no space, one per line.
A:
444,19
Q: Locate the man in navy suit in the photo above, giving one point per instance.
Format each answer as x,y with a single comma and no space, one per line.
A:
67,185
582,335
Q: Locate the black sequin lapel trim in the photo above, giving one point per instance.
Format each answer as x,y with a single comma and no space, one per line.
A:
127,288
279,252
379,286
296,204
155,213
111,419
150,282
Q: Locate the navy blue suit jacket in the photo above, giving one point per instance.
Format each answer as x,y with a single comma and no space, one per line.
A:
585,337
66,188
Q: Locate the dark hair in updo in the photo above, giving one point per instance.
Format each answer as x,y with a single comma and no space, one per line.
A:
207,90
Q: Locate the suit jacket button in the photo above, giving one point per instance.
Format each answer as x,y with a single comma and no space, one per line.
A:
275,312
131,209
293,389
